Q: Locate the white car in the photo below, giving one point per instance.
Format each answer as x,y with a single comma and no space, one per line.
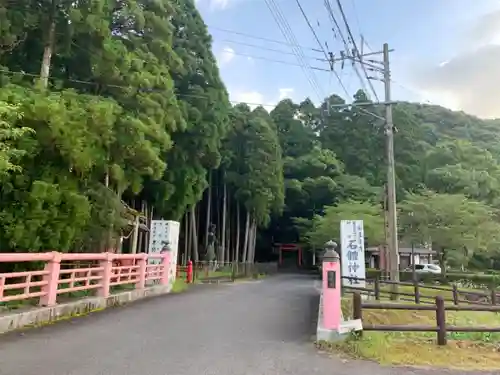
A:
427,268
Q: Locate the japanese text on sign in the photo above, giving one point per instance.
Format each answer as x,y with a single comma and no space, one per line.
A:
353,252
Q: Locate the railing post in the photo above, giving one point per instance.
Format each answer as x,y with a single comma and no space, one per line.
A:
165,269
455,294
416,291
106,274
189,273
142,262
377,288
53,267
233,272
493,296
357,308
441,320
195,271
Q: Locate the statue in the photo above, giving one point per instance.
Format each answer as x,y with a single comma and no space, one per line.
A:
210,255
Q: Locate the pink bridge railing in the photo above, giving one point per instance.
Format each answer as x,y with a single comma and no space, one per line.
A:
57,274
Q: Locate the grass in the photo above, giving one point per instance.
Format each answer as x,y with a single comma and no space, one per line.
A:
466,351
179,286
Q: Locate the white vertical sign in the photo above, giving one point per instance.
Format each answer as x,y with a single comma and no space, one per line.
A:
173,229
165,233
352,242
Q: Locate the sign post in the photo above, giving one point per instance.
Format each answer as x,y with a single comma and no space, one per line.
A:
165,237
352,241
332,311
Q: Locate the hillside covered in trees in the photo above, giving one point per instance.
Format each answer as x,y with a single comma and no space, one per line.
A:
112,111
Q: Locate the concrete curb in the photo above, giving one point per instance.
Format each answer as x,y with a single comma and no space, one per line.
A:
45,315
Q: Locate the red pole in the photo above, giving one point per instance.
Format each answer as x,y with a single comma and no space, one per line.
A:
189,274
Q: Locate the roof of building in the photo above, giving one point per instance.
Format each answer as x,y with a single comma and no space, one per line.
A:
406,250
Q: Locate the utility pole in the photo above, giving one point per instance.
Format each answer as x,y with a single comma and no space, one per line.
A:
391,179
391,226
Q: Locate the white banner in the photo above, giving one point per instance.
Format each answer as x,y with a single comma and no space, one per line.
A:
165,233
352,252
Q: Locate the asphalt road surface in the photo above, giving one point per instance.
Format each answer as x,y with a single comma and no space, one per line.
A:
255,328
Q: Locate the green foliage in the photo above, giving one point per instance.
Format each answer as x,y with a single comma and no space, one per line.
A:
451,222
327,227
135,114
9,135
253,164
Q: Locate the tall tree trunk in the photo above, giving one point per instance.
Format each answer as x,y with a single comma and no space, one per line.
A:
194,235
254,241
48,48
135,235
228,230
188,236
222,247
236,256
218,213
148,212
184,233
209,208
245,243
251,241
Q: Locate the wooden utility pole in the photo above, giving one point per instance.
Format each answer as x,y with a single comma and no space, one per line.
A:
391,179
391,219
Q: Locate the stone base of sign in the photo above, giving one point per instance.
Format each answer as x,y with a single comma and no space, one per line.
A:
333,335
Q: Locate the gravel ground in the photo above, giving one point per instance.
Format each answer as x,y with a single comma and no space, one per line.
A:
255,328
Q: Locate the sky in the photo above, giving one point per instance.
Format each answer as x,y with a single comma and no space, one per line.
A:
446,52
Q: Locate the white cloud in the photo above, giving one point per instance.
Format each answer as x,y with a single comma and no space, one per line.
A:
255,98
486,30
215,4
469,81
226,56
252,98
219,4
285,93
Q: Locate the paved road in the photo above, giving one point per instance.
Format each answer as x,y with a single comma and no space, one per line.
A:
258,328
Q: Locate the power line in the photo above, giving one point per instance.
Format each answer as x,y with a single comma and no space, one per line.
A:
267,49
125,87
356,50
321,46
311,28
329,9
287,33
245,55
300,53
261,38
180,95
278,61
356,16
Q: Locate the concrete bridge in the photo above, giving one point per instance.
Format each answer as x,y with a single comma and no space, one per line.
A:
263,327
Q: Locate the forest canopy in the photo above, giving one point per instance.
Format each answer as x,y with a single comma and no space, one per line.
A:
110,110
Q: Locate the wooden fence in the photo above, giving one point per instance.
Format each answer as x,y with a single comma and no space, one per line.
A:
439,306
457,295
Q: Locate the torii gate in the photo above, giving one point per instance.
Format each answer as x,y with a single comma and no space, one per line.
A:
289,247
